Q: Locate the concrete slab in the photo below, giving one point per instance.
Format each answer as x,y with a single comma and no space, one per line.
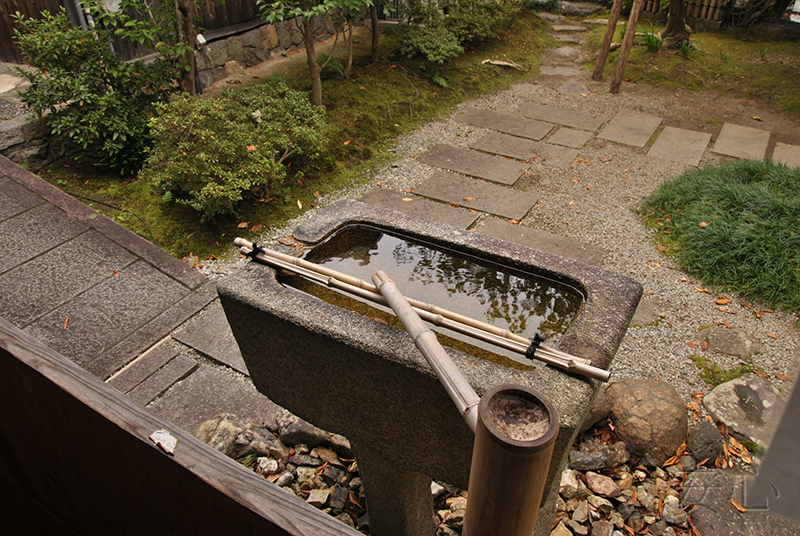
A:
542,240
417,206
630,128
543,153
15,199
208,392
479,195
509,124
38,286
568,28
164,378
560,116
569,137
567,38
680,145
787,154
34,232
142,368
473,163
105,314
573,88
211,335
550,70
742,142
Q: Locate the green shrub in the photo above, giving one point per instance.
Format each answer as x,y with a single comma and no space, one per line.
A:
474,21
541,5
97,104
209,153
652,40
434,42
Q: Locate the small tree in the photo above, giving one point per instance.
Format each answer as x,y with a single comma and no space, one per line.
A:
676,31
305,14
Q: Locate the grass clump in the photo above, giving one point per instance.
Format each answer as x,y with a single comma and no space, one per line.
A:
736,228
713,375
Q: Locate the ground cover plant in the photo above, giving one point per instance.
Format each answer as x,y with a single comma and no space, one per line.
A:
735,227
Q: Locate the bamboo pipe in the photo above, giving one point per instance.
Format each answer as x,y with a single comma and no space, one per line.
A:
430,313
461,392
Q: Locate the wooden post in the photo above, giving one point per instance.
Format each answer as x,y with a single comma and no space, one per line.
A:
517,428
625,49
611,27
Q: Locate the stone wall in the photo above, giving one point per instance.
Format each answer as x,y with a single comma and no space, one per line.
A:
26,141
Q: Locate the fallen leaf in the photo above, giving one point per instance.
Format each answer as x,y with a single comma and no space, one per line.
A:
722,309
761,313
605,160
354,498
770,335
116,273
257,227
757,118
701,289
347,142
723,301
250,147
468,198
671,461
661,248
316,194
691,344
378,319
736,504
778,375
761,374
410,190
454,205
362,88
243,225
408,199
723,429
299,204
515,222
703,224
704,345
682,279
212,257
66,321
273,478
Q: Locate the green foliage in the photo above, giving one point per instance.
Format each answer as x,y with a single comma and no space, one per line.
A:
736,226
97,104
435,43
331,63
474,21
209,153
713,375
652,40
685,48
541,5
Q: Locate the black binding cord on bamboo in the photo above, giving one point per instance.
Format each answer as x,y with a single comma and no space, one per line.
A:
530,353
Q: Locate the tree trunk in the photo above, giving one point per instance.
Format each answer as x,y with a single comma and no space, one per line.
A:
373,14
349,37
676,31
313,67
187,34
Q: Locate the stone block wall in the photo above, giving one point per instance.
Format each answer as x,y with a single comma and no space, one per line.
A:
26,141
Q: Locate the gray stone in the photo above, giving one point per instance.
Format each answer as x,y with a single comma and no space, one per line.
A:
735,342
568,38
233,67
142,368
581,512
318,497
220,432
786,154
631,128
602,485
705,442
597,456
423,208
649,416
550,70
561,530
259,441
293,430
569,484
15,198
212,55
235,49
577,528
206,78
569,28
527,150
551,17
338,497
211,335
742,142
473,163
560,116
598,410
11,132
542,240
508,124
600,504
154,386
269,36
484,196
252,39
570,137
649,311
563,54
750,406
602,527
341,446
267,466
680,145
573,88
254,57
284,32
578,8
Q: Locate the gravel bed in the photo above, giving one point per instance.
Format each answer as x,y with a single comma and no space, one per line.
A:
594,200
10,109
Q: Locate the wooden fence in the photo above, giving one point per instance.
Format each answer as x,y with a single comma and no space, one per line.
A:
80,451
708,10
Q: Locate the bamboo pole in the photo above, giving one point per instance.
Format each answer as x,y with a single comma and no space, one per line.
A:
605,47
625,49
430,313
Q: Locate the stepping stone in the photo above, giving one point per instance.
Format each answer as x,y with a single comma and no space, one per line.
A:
750,406
560,116
513,147
631,128
142,368
564,54
570,137
648,312
416,206
549,70
211,335
478,195
742,142
510,124
567,38
573,88
578,8
680,145
568,28
542,240
786,154
475,164
551,17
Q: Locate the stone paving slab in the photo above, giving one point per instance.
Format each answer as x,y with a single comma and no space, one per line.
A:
478,195
141,369
36,287
208,392
573,88
630,128
570,137
788,154
560,116
103,315
15,199
680,145
157,384
211,335
543,153
742,142
473,163
416,206
567,38
542,240
568,28
509,124
550,70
